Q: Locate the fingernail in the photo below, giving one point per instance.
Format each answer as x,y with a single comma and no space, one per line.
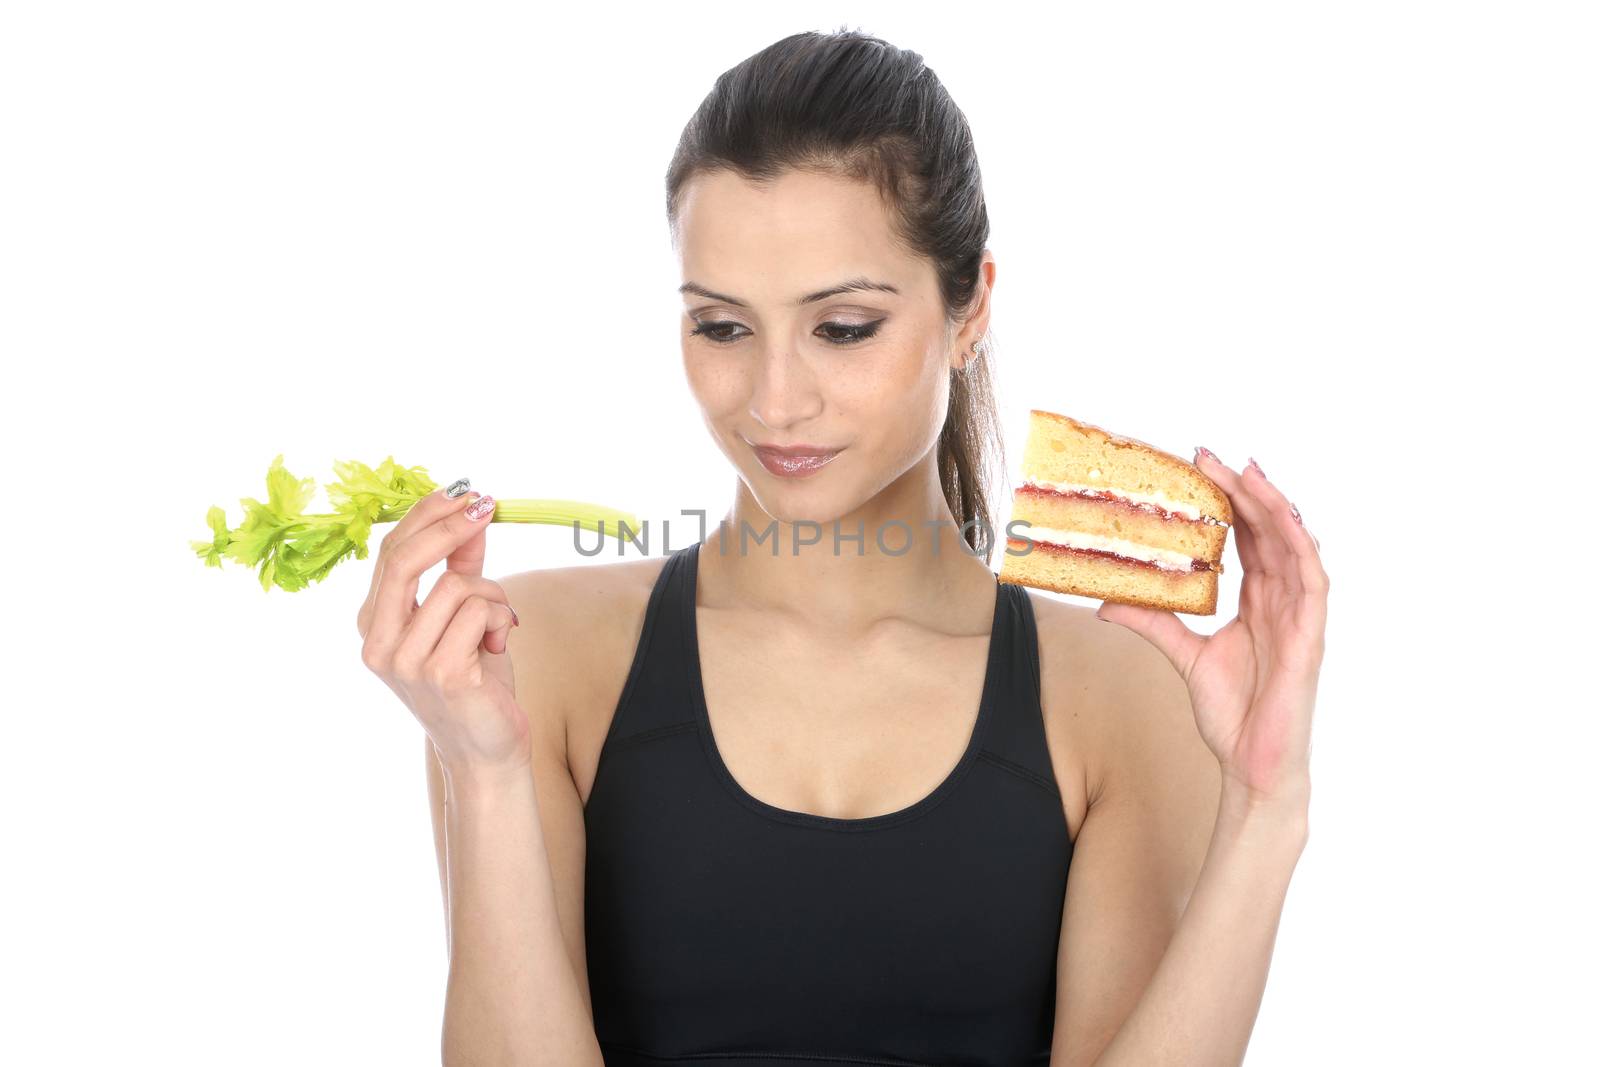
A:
514,620
1204,451
1296,513
1257,466
457,487
480,508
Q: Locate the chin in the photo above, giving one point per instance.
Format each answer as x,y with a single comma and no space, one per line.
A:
793,500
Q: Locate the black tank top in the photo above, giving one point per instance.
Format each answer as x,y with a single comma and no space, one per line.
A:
725,931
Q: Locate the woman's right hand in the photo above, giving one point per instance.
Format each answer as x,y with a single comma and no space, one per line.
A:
446,657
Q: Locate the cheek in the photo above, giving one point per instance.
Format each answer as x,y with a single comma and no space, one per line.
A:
909,394
894,408
717,384
903,380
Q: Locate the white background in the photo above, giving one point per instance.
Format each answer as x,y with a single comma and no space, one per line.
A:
1356,241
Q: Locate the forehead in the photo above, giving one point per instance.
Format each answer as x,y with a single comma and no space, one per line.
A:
801,225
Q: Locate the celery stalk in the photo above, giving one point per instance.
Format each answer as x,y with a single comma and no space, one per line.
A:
292,549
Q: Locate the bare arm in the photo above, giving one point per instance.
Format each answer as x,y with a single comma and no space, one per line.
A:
512,995
511,872
436,787
1201,1003
1175,891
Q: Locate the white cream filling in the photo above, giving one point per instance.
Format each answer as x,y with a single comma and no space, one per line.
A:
1160,500
1161,557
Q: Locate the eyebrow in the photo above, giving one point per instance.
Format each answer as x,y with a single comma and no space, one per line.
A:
851,286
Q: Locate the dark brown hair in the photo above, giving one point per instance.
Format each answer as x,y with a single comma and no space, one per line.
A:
853,105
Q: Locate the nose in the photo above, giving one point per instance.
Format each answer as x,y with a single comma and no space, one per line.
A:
785,390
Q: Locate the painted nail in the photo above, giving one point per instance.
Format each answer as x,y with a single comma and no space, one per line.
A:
1204,451
457,487
480,508
514,620
1257,466
1296,513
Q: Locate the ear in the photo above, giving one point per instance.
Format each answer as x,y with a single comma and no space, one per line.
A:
976,328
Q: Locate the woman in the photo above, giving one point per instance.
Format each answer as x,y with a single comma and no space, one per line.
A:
817,800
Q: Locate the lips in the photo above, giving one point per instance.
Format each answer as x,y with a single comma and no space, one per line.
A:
796,461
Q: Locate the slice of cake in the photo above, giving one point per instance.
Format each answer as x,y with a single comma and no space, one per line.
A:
1113,518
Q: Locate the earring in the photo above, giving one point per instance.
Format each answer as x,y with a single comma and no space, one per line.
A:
977,351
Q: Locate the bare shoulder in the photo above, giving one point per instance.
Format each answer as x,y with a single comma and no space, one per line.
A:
1068,696
1109,698
580,625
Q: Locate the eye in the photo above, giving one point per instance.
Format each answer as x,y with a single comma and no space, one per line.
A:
714,331
848,334
835,333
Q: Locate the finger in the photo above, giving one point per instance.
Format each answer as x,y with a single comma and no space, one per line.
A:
1275,518
1161,628
1261,550
429,509
401,568
467,557
480,622
443,603
1227,481
1305,560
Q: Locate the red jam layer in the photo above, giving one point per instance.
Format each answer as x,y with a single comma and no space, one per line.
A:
1050,546
1107,497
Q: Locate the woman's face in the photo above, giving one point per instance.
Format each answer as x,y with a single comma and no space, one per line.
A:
864,372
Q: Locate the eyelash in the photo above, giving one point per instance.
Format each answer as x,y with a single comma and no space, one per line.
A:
856,334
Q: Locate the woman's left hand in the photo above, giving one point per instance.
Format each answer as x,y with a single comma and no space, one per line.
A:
1253,683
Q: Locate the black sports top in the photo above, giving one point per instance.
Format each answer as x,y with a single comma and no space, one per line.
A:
725,931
